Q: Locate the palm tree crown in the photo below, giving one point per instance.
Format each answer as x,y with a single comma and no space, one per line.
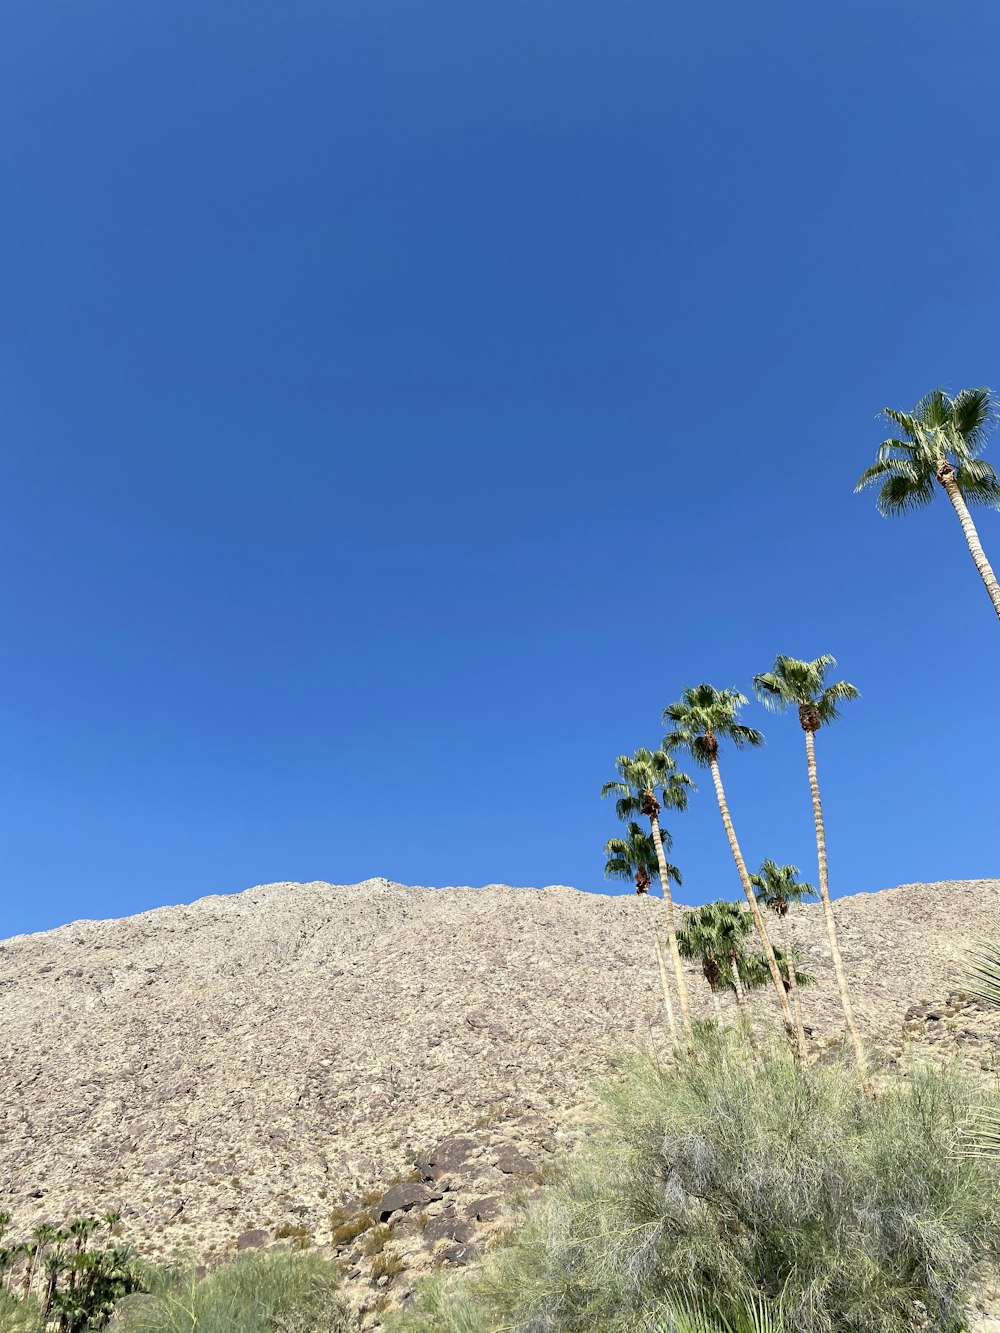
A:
777,887
702,718
635,858
640,777
714,934
794,682
940,440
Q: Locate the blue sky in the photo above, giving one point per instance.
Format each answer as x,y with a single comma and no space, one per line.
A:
403,403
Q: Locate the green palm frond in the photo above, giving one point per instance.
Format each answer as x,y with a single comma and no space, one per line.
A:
792,681
978,482
974,413
638,851
692,1315
756,974
704,711
939,430
648,771
908,422
982,1130
984,974
777,886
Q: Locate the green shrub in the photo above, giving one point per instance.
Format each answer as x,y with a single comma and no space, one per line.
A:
257,1293
17,1316
727,1184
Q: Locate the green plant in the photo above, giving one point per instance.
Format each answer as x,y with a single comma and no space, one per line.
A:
724,1185
257,1293
983,1127
637,857
386,1263
702,718
640,777
776,888
347,1221
299,1234
714,935
17,1316
802,685
942,439
375,1239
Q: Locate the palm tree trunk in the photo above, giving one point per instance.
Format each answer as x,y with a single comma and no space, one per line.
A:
824,893
947,480
675,953
741,998
717,1007
758,920
668,1003
793,990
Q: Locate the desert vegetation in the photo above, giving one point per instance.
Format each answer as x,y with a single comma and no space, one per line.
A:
720,1190
256,1293
68,1277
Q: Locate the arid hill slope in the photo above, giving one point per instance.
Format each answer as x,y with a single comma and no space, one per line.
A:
247,1060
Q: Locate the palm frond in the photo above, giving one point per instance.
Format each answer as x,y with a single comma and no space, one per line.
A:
903,493
978,482
973,414
908,422
984,974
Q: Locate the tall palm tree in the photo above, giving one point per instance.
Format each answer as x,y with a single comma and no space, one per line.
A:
42,1237
700,719
635,858
777,887
941,441
640,777
794,683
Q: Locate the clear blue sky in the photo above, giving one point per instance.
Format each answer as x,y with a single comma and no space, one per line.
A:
403,402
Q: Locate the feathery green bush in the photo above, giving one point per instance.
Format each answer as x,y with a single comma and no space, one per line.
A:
17,1316
276,1292
729,1184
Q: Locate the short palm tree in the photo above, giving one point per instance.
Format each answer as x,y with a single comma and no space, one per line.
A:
715,936
640,777
802,685
777,888
941,440
700,719
755,975
635,858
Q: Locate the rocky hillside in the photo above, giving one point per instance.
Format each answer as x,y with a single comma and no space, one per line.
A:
371,1066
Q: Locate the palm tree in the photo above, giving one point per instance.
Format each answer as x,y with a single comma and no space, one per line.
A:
714,935
635,858
640,777
777,887
941,441
42,1237
755,974
791,682
55,1262
30,1252
702,718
